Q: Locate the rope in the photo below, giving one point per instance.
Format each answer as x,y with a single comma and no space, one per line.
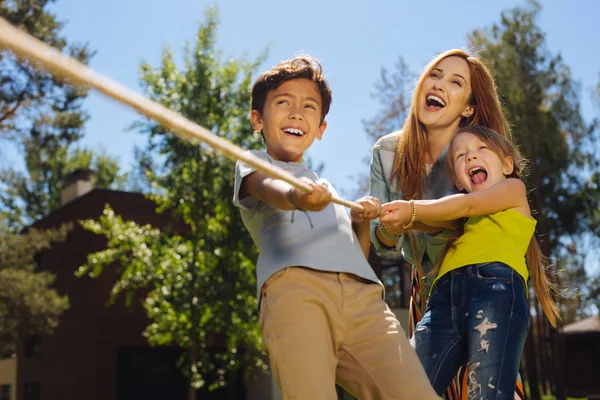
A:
420,274
57,63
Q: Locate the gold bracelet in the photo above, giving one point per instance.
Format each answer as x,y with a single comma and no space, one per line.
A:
413,216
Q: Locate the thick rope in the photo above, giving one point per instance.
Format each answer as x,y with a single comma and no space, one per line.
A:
57,63
419,274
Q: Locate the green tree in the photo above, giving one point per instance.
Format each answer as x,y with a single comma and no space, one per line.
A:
199,272
30,96
44,118
29,195
28,304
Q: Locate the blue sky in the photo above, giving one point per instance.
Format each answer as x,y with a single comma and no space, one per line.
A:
353,41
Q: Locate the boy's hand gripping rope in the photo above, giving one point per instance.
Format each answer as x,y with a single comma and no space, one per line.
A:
57,63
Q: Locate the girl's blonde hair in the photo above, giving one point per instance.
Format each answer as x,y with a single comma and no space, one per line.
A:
537,263
409,164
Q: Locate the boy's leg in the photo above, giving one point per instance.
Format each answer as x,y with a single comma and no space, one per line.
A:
376,360
299,325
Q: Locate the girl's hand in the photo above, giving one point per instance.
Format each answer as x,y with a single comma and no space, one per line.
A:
372,209
396,215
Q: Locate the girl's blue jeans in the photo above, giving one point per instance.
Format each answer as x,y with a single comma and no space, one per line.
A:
477,315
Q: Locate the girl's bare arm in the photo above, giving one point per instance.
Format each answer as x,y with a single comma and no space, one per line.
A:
508,194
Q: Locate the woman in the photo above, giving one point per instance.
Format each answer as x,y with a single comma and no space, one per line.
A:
455,89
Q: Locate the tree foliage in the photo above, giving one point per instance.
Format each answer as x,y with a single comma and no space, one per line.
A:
28,303
29,195
199,271
43,116
29,96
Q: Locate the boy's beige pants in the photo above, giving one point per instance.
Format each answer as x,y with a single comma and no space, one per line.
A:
322,327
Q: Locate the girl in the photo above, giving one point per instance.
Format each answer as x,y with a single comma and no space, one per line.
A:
478,311
454,90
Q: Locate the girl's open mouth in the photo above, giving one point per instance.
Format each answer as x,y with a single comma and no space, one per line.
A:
478,175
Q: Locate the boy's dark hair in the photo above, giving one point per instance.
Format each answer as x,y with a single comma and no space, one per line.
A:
302,67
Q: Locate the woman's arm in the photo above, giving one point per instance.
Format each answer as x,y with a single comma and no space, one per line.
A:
380,189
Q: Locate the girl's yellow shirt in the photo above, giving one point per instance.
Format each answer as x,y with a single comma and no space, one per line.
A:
500,237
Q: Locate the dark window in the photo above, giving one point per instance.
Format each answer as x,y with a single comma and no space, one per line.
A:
147,373
32,346
4,392
38,261
32,390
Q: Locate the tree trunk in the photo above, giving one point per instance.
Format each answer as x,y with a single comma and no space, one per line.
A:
192,395
558,364
532,374
540,343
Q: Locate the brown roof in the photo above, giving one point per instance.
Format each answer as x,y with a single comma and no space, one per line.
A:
591,324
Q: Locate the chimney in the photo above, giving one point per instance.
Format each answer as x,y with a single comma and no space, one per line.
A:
76,184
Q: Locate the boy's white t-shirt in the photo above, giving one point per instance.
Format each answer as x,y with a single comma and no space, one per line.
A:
322,240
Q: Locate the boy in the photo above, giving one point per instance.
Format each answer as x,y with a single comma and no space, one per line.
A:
322,313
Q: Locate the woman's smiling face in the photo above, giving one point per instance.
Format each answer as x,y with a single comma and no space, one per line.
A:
445,94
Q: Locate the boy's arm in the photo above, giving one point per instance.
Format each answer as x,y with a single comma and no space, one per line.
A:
282,195
361,221
510,193
363,233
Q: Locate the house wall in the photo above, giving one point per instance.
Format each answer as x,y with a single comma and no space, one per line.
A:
8,375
